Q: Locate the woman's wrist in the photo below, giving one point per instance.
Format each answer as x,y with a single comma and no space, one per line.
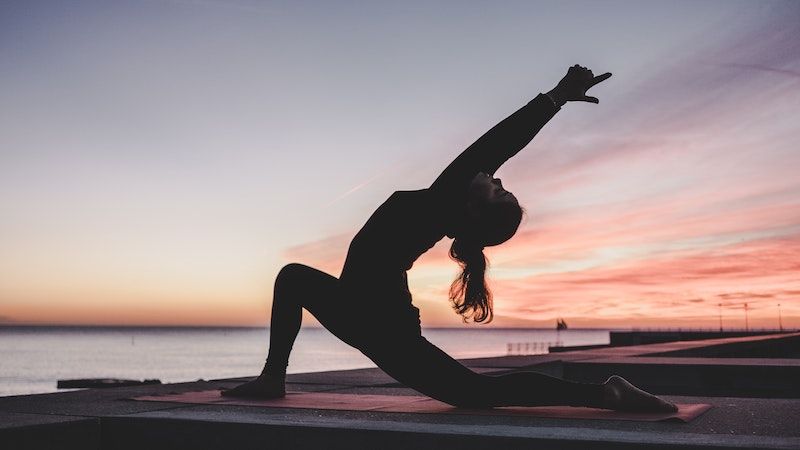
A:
556,97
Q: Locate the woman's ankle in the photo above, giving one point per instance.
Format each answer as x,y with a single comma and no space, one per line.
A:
273,372
273,377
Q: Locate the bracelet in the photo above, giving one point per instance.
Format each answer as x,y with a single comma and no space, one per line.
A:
552,100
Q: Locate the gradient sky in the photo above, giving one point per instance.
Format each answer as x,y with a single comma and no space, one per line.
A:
161,160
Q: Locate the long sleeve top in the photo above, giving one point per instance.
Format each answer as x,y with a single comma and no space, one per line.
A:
409,223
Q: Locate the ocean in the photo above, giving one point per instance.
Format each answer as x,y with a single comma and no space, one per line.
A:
32,359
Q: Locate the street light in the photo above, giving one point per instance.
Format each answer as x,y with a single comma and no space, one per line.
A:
746,325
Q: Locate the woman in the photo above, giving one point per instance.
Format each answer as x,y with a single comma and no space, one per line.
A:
369,306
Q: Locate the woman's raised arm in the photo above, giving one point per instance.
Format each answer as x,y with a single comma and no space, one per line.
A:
513,133
496,146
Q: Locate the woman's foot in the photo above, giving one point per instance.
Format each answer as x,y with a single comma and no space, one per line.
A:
620,395
261,387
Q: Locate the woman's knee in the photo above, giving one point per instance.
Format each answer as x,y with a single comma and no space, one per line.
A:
291,271
314,290
300,276
471,393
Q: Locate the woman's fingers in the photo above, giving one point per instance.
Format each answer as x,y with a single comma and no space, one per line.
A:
592,82
600,78
577,81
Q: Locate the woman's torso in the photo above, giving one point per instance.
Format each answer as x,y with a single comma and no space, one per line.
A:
374,276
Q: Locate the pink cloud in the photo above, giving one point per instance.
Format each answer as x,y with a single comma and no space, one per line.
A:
679,196
326,254
657,286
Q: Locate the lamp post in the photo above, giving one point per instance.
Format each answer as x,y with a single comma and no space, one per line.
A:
780,322
746,325
720,317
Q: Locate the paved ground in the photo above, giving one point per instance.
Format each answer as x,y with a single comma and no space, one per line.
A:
106,418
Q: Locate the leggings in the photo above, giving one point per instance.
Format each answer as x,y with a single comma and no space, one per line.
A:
408,358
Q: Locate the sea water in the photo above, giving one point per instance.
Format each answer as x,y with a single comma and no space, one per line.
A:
33,359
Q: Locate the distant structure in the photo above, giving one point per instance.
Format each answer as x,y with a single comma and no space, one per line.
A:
102,383
560,324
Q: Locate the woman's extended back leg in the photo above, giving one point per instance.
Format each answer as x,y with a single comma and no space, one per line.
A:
424,367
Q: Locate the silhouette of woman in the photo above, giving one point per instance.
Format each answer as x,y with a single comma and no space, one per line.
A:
369,306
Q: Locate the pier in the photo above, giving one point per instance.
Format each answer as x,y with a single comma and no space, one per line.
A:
755,402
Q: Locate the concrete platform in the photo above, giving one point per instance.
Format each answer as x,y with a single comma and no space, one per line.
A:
107,419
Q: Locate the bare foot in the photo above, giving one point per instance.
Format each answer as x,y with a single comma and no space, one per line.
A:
261,387
622,396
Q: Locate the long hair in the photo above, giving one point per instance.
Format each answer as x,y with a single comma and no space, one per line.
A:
469,292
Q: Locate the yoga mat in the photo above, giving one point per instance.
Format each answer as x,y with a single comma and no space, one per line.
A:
424,405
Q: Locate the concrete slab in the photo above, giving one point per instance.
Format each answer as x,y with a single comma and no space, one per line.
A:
252,428
24,431
622,338
701,377
787,346
19,420
95,402
734,422
729,416
685,346
519,361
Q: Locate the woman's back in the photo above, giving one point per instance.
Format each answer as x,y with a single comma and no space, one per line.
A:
374,279
401,229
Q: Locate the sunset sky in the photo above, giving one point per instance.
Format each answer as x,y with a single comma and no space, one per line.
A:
161,160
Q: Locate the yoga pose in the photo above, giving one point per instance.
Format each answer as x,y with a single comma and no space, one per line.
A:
369,306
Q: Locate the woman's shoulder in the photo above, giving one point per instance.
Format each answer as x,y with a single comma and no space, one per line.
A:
421,196
413,192
424,201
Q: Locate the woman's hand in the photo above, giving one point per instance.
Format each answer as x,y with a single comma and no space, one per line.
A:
574,85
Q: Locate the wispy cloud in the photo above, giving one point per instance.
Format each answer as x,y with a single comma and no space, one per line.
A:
761,67
354,189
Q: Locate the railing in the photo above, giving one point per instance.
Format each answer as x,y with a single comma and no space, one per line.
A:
531,348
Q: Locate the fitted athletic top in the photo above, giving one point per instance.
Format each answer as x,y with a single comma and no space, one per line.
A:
409,223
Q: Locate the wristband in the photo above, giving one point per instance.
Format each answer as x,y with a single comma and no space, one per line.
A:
552,100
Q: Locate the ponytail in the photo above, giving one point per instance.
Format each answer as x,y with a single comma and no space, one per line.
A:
469,292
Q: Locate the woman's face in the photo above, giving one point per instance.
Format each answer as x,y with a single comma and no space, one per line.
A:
487,196
485,189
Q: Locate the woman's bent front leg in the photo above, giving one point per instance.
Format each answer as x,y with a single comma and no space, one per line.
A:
300,286
297,286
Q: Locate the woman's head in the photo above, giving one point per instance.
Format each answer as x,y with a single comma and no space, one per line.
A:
492,216
492,213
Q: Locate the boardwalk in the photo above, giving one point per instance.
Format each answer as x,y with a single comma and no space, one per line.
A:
755,405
